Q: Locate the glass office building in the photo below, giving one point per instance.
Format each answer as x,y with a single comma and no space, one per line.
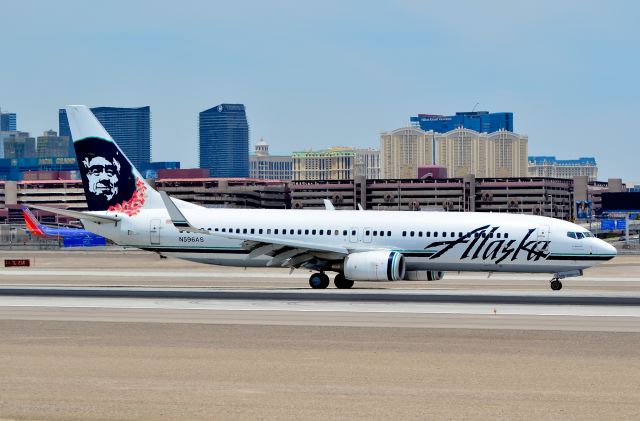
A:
8,122
480,121
129,127
224,141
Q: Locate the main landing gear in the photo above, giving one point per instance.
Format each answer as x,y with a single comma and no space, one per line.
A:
341,282
556,285
321,281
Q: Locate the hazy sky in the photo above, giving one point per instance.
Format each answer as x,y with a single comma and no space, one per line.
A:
324,73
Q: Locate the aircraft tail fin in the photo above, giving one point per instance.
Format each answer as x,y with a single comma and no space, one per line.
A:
110,181
32,223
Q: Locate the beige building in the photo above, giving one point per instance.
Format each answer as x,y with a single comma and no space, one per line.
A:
337,163
498,154
265,166
549,166
403,150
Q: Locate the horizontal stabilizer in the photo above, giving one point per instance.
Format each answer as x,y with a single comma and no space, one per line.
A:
100,219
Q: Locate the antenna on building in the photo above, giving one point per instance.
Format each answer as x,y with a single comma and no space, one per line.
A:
474,107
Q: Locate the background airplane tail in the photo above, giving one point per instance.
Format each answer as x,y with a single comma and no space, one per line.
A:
32,223
111,182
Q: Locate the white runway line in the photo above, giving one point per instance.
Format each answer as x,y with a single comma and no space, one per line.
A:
276,274
320,306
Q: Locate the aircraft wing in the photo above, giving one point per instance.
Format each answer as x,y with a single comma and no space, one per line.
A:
284,251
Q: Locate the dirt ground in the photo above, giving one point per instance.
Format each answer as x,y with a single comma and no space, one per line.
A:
95,371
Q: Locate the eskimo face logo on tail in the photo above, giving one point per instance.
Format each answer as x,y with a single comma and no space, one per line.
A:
107,177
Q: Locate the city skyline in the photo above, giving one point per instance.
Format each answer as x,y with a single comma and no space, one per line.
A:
330,74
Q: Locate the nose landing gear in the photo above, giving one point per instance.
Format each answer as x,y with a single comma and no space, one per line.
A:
556,285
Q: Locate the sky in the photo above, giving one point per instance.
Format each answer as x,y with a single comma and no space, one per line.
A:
330,73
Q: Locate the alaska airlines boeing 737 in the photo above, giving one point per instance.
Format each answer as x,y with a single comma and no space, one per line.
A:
357,245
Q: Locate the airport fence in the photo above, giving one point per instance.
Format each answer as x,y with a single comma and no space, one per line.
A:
16,237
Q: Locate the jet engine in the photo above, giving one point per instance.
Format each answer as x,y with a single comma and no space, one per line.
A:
374,266
423,275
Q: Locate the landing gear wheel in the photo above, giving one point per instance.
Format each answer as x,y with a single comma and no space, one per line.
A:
318,281
341,282
556,285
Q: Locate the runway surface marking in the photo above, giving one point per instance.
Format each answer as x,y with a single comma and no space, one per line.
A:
323,306
270,275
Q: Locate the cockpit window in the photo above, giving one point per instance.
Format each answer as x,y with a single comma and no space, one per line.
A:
571,235
579,235
588,234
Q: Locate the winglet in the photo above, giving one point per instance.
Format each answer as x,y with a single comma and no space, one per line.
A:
328,205
177,218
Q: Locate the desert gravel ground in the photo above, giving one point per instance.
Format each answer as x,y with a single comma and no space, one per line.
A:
94,371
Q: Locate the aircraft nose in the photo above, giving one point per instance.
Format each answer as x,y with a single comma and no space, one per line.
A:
606,249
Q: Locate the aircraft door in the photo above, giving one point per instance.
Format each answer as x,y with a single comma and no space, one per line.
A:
154,231
543,233
353,234
367,235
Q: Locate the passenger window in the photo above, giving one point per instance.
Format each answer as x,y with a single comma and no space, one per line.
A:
237,230
260,231
498,235
571,235
444,234
291,232
328,232
253,231
388,233
404,233
428,233
306,232
353,232
299,232
216,230
419,233
412,233
275,231
367,232
224,230
269,231
375,233
313,232
344,232
435,234
506,235
336,232
460,235
244,231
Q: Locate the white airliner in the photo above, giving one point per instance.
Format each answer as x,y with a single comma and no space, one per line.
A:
358,245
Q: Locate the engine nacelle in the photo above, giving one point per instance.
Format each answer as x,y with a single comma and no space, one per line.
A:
434,275
423,275
374,266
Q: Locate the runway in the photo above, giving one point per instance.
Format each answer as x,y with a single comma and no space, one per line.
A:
128,336
374,308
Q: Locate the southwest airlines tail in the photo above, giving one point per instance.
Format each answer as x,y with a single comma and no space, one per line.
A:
32,223
111,182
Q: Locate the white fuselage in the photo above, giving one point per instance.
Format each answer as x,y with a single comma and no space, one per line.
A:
442,241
